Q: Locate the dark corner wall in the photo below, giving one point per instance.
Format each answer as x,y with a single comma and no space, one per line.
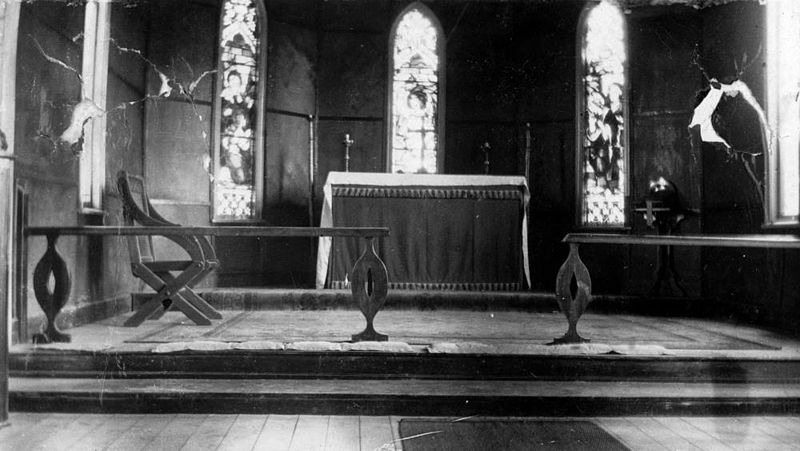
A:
508,63
673,50
753,284
46,176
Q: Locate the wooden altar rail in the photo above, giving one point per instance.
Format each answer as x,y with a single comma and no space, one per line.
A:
573,304
369,282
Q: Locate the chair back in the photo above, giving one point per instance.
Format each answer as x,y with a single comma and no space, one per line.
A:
136,208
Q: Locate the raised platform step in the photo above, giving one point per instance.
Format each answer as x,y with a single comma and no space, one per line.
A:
238,364
401,397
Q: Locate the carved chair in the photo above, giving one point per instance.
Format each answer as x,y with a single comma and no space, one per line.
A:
172,280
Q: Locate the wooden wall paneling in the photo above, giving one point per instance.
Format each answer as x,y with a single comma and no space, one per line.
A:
291,106
351,75
179,130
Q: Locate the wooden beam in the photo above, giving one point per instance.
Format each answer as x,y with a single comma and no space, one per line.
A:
763,241
286,232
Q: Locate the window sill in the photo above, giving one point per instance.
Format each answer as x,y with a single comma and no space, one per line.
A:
783,226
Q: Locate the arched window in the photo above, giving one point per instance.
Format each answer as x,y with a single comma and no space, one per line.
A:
602,118
417,92
238,110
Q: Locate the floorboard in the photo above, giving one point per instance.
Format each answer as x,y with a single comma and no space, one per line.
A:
662,435
310,433
177,432
71,434
395,422
768,426
630,435
60,427
790,424
376,433
210,433
106,432
692,434
737,432
277,433
342,434
142,433
33,437
243,433
21,424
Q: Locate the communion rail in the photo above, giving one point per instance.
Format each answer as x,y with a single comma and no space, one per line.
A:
574,302
369,283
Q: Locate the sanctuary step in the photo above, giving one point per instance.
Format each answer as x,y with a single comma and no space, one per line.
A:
400,397
449,354
574,366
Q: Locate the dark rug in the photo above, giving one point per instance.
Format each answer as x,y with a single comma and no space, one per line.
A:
502,435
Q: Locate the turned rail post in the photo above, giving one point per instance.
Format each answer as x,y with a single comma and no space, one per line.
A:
370,286
573,302
573,299
51,301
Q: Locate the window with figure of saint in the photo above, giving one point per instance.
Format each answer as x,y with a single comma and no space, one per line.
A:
602,138
415,93
238,77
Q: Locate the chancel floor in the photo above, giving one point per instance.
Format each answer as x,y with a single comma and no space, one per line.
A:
433,331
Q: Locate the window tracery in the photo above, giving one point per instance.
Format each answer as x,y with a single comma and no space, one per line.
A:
238,149
602,137
415,93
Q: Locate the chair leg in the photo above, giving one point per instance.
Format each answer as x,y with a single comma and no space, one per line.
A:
190,310
146,311
202,275
167,290
165,305
195,298
200,303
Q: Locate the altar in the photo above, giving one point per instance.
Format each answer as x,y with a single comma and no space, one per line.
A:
447,232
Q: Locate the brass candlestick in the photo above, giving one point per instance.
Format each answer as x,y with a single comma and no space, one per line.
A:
486,148
347,143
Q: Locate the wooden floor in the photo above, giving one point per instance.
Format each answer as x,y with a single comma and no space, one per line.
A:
30,431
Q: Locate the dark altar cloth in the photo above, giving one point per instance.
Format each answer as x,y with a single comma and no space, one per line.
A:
464,232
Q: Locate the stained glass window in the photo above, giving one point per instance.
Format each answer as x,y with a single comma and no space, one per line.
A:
415,93
602,139
235,164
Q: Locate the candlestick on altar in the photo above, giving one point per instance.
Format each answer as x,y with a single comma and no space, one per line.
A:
347,143
486,148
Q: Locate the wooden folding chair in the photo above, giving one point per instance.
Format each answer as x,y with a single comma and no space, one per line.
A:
172,280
